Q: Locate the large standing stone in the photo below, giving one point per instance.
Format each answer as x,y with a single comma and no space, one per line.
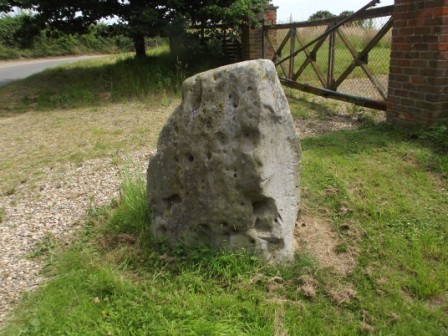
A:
226,170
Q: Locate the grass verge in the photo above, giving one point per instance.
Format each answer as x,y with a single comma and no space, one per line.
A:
378,188
111,79
90,109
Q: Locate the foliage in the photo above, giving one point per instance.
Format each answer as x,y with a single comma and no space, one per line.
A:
20,37
437,135
17,31
320,15
138,18
324,14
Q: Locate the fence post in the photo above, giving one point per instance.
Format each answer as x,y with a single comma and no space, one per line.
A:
418,81
331,55
253,39
292,38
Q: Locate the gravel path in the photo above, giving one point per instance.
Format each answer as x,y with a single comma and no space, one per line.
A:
55,208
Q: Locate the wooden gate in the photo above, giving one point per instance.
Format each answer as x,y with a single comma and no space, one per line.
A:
335,59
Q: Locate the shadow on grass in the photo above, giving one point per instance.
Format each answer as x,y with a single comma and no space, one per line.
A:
309,107
382,137
93,83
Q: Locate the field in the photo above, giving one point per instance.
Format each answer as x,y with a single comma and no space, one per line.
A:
371,232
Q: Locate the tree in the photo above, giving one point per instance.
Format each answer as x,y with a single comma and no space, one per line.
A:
367,23
136,18
347,13
320,15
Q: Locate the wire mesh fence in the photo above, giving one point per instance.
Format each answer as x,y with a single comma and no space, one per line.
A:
353,60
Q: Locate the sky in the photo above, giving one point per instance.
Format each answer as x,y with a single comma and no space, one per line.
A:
301,10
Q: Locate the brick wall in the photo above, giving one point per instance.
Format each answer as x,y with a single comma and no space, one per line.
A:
252,39
418,83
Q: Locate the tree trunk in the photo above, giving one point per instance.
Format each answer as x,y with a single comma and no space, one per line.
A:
139,45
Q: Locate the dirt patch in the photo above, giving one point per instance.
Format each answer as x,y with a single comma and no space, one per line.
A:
316,237
439,302
309,286
342,294
309,127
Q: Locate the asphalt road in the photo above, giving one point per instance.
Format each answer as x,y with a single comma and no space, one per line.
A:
14,70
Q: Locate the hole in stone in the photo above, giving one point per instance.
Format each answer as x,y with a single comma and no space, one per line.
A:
224,151
243,204
252,241
265,207
162,229
246,135
235,105
276,220
249,88
209,155
261,224
170,201
224,224
190,157
235,175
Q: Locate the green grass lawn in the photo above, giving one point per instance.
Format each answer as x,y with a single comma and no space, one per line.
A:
380,192
384,194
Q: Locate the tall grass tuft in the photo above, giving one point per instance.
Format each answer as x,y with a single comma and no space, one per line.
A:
132,214
437,135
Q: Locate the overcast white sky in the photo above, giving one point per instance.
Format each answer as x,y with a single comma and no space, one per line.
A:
301,10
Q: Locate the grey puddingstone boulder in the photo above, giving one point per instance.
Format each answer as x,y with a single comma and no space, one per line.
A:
226,170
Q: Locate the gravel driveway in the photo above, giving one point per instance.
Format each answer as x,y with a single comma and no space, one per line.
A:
56,209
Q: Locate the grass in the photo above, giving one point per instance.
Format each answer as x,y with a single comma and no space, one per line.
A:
111,79
89,109
383,193
118,281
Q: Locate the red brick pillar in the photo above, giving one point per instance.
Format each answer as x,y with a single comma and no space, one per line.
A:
252,39
418,82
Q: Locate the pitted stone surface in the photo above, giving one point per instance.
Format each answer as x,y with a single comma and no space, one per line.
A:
226,170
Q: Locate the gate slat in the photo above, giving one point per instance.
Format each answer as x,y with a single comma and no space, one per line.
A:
376,83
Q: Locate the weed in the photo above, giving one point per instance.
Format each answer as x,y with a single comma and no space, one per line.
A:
45,248
437,135
132,215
